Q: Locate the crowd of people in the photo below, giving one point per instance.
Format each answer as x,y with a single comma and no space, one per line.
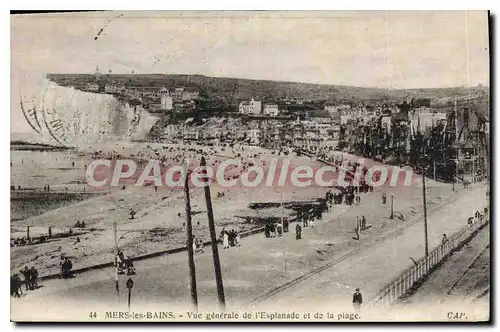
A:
125,264
230,238
30,280
66,267
274,229
198,245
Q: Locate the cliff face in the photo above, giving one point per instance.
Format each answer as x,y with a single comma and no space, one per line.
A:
73,117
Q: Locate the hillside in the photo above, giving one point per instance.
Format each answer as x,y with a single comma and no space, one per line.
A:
232,89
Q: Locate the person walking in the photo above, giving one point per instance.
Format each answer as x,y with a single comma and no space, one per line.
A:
34,277
357,300
15,286
238,239
26,274
444,239
298,232
195,244
225,240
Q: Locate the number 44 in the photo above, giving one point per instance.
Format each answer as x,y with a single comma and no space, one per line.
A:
93,314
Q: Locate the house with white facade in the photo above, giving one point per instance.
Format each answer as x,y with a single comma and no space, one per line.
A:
271,109
253,107
114,88
167,102
93,87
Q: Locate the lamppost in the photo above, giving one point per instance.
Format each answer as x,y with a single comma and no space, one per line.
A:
283,233
454,173
392,205
130,284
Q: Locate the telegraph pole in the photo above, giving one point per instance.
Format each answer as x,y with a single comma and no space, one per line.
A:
283,234
215,250
117,287
392,206
189,235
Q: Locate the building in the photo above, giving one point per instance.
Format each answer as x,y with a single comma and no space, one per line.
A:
253,107
92,87
177,93
114,88
190,95
244,107
271,109
167,102
253,136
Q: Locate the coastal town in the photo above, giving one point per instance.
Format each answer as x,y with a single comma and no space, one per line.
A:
148,195
456,128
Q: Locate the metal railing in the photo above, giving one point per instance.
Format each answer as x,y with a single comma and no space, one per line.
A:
394,290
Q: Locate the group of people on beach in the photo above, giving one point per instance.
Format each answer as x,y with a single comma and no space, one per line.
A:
230,238
198,245
30,280
66,267
19,242
79,224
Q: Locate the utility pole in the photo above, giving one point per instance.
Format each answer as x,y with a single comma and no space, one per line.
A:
473,165
117,287
283,234
215,250
434,170
189,235
425,213
392,206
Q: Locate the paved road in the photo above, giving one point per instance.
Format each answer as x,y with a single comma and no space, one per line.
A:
372,269
251,270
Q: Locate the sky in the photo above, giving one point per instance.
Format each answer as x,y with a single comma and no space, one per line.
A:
370,49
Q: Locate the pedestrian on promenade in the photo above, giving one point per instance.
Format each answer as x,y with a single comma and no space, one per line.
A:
357,300
15,286
356,230
225,240
298,232
33,278
363,223
27,278
267,231
444,240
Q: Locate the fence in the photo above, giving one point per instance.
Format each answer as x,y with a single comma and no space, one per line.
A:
392,292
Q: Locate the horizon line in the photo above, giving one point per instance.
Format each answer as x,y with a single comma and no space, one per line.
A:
481,85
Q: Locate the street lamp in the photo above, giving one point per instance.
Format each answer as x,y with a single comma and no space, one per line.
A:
392,205
283,232
454,174
130,284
